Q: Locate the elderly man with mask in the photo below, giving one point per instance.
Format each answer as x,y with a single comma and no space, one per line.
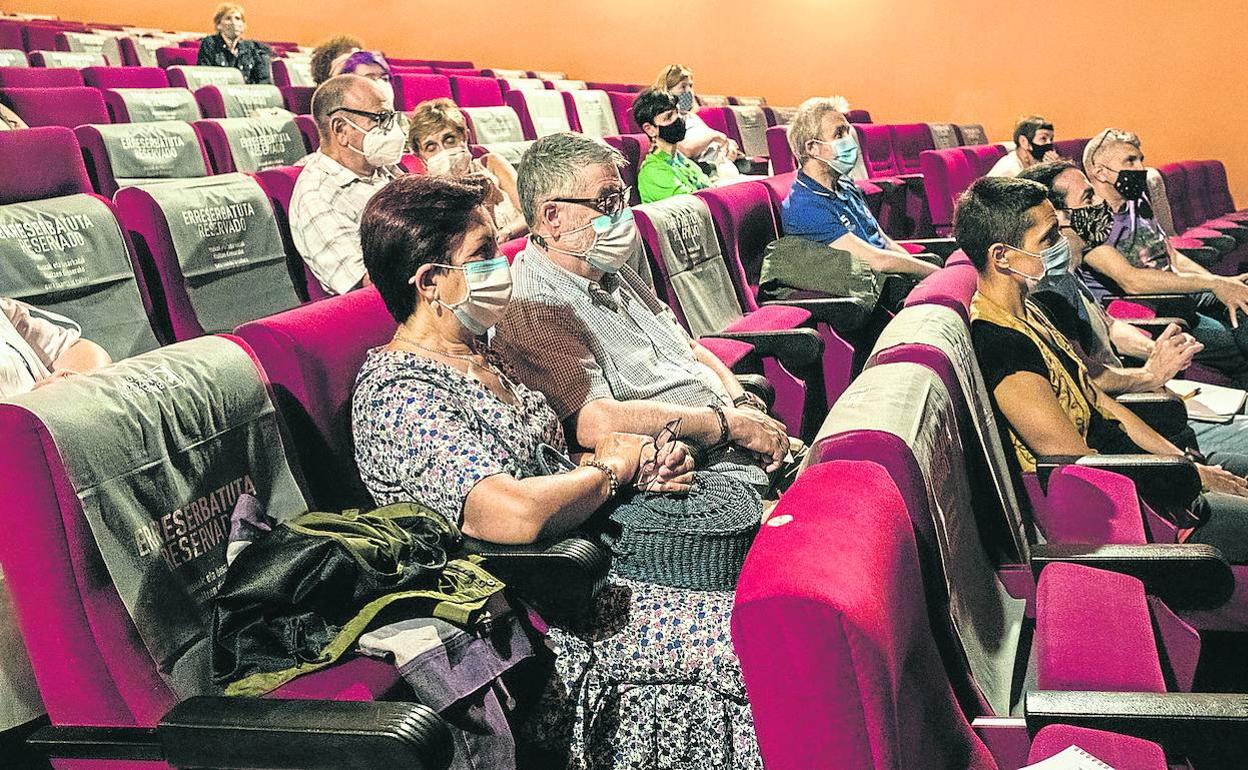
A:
825,205
1135,254
362,140
1033,143
587,331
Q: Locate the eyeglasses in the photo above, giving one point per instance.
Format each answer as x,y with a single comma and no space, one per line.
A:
386,119
610,203
662,446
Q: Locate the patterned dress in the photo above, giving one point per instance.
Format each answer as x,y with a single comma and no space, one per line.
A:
648,679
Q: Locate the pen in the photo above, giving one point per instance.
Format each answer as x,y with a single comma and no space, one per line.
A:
1192,395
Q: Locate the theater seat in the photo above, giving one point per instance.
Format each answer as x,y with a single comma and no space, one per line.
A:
66,107
174,56
138,153
411,90
622,105
292,72
125,77
235,101
12,57
70,59
298,99
213,246
249,145
476,92
590,112
541,112
779,151
39,77
279,185
193,77
634,147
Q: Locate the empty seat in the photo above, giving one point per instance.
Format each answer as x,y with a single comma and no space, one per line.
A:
214,246
140,50
858,116
143,105
520,84
748,126
12,57
944,136
972,133
493,125
779,151
494,72
279,184
70,59
249,145
411,90
140,153
876,142
541,112
622,105
125,77
476,92
947,173
566,85
1071,149
90,43
590,112
174,56
67,107
39,77
193,77
292,72
235,101
298,99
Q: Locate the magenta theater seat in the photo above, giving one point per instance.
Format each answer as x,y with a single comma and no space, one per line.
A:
411,90
39,77
125,77
67,107
476,92
279,185
168,57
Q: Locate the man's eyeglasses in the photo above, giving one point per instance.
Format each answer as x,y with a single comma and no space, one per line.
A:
655,453
386,119
609,203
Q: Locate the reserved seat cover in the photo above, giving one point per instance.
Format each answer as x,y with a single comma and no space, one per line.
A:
238,101
593,112
541,113
751,130
215,246
146,105
194,77
252,144
141,153
902,416
12,57
73,59
490,125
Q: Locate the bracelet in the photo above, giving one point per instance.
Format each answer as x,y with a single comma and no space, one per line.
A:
723,424
748,400
613,481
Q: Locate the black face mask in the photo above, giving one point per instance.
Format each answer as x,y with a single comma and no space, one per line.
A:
1131,183
674,132
1091,223
1038,150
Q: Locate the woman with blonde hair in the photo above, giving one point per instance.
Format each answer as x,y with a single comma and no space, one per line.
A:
702,143
439,136
228,49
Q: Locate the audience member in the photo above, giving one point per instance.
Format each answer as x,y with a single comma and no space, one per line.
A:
1137,257
439,135
325,54
665,171
438,418
825,205
1038,384
40,346
587,331
368,64
1033,143
702,143
361,146
228,49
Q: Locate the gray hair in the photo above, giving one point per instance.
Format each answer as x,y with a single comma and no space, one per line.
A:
807,122
329,96
549,167
1109,136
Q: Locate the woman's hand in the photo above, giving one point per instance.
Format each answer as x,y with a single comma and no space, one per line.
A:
622,453
672,470
1214,479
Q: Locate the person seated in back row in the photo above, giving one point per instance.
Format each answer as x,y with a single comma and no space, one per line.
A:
1033,143
825,205
664,171
701,142
361,145
228,49
38,346
327,53
439,135
587,331
1036,380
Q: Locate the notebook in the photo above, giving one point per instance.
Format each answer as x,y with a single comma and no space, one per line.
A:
1209,403
1070,758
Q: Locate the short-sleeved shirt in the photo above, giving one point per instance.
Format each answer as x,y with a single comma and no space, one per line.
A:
31,340
663,175
1139,237
425,431
816,213
1075,311
325,210
249,57
1008,165
579,341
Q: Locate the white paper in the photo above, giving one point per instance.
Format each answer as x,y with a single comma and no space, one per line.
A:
1213,403
1070,758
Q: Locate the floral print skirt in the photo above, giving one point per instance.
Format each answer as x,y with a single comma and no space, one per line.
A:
648,679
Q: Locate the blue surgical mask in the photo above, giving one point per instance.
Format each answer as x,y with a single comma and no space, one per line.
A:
846,149
615,241
489,290
1056,260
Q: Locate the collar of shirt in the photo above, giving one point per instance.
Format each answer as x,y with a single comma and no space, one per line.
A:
672,159
340,174
566,283
840,190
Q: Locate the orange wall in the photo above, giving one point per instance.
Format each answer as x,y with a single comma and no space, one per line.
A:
1173,72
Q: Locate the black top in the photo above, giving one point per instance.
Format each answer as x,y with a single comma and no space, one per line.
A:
252,58
1002,352
1062,315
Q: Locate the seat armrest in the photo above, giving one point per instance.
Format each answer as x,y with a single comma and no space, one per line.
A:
797,349
1210,729
1167,481
1155,326
1184,576
841,313
759,386
260,732
559,578
1164,412
1174,305
941,247
1205,256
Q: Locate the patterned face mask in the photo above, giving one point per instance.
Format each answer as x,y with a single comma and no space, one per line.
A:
1091,223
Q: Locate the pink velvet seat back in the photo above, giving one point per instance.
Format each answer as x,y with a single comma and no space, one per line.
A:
41,163
67,107
279,184
125,77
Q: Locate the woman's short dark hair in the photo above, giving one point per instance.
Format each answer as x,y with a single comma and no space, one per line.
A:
411,222
994,210
650,104
1028,127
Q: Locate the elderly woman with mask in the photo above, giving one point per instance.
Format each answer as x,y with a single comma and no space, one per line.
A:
437,417
439,135
228,49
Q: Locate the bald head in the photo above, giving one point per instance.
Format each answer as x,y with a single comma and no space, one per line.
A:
351,91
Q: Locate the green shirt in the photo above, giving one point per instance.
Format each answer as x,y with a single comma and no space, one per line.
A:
662,176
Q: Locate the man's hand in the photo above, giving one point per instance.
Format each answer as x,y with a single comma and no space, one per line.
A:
1051,155
1172,352
1234,294
756,432
1214,479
